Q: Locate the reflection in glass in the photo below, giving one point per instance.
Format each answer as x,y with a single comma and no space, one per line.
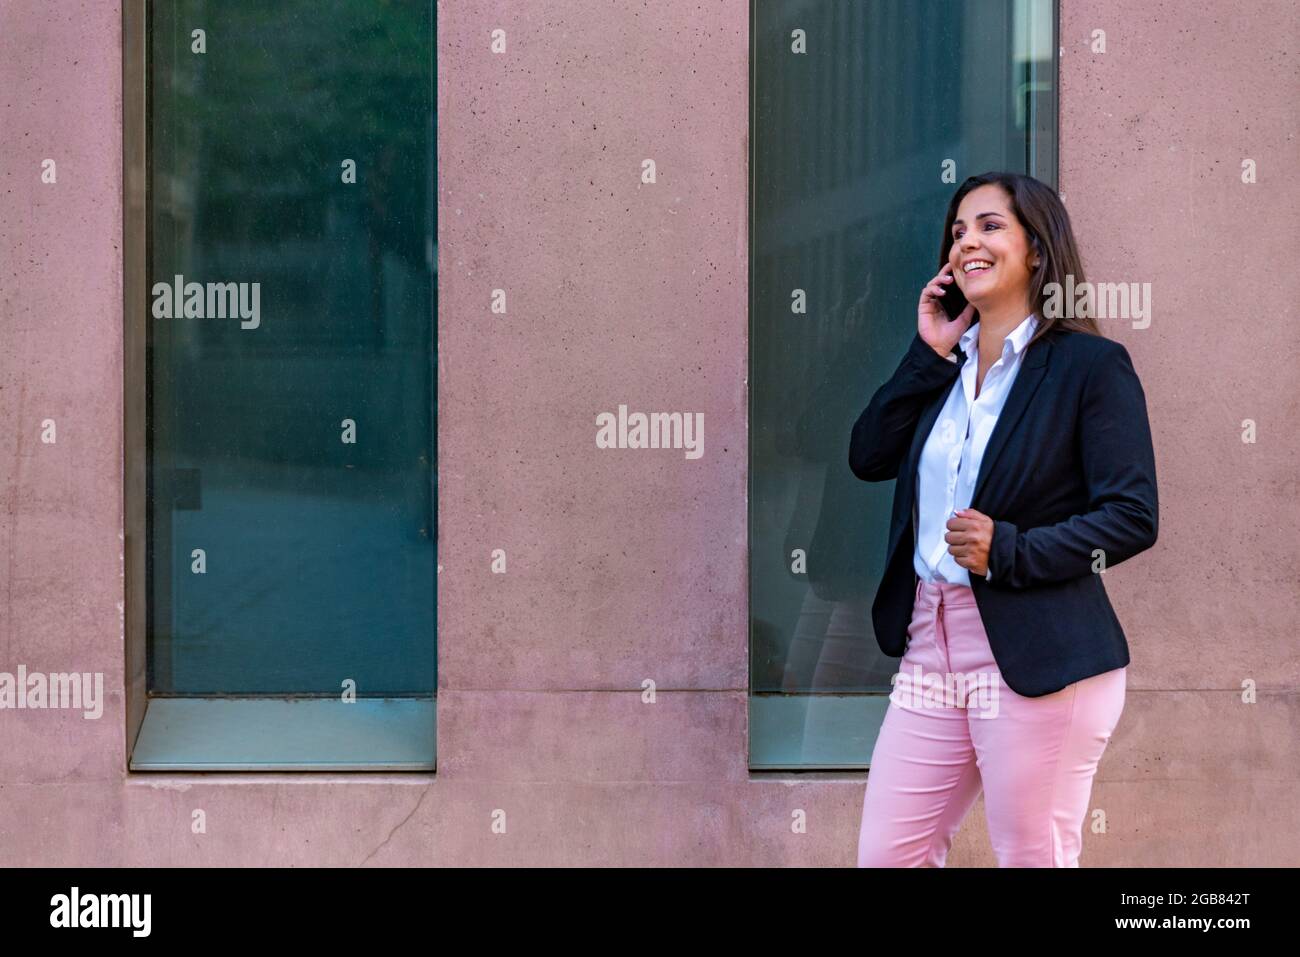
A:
289,552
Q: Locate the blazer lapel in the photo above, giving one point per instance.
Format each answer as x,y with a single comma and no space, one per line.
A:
1022,391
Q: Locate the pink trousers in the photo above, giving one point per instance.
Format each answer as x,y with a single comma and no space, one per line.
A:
953,727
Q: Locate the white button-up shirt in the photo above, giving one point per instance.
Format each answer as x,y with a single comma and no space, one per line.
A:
950,459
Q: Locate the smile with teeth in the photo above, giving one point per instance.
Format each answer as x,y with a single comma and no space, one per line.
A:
976,265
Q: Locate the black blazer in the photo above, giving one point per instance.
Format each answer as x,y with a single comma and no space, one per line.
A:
1069,468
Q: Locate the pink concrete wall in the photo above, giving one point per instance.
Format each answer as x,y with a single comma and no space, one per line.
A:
629,566
1154,133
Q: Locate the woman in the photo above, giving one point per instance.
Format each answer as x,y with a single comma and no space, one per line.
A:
1019,438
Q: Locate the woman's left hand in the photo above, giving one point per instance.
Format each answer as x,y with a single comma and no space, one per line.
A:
969,537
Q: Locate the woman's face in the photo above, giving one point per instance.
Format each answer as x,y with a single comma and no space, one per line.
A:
986,232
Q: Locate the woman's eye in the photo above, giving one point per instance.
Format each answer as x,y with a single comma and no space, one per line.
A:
958,233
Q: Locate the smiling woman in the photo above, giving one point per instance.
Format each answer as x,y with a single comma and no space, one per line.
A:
1025,469
1008,243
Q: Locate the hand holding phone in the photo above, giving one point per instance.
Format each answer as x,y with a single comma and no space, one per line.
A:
943,313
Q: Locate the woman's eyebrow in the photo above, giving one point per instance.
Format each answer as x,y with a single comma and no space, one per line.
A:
979,216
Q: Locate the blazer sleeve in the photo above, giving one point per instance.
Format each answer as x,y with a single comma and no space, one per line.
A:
883,432
1119,469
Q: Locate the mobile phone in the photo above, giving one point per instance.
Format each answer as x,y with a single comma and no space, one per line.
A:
953,299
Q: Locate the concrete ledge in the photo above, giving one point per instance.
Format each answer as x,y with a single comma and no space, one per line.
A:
286,734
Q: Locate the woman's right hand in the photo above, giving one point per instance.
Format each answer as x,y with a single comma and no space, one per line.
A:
932,323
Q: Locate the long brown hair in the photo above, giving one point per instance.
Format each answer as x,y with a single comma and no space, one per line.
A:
1045,221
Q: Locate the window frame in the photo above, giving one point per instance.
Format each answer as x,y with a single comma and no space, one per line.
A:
775,718
209,733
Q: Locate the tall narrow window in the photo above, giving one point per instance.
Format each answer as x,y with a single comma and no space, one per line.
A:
286,310
865,116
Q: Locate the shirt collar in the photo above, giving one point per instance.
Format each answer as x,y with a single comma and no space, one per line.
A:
1016,339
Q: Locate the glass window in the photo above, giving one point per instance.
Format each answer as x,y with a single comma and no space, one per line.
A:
290,378
858,109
